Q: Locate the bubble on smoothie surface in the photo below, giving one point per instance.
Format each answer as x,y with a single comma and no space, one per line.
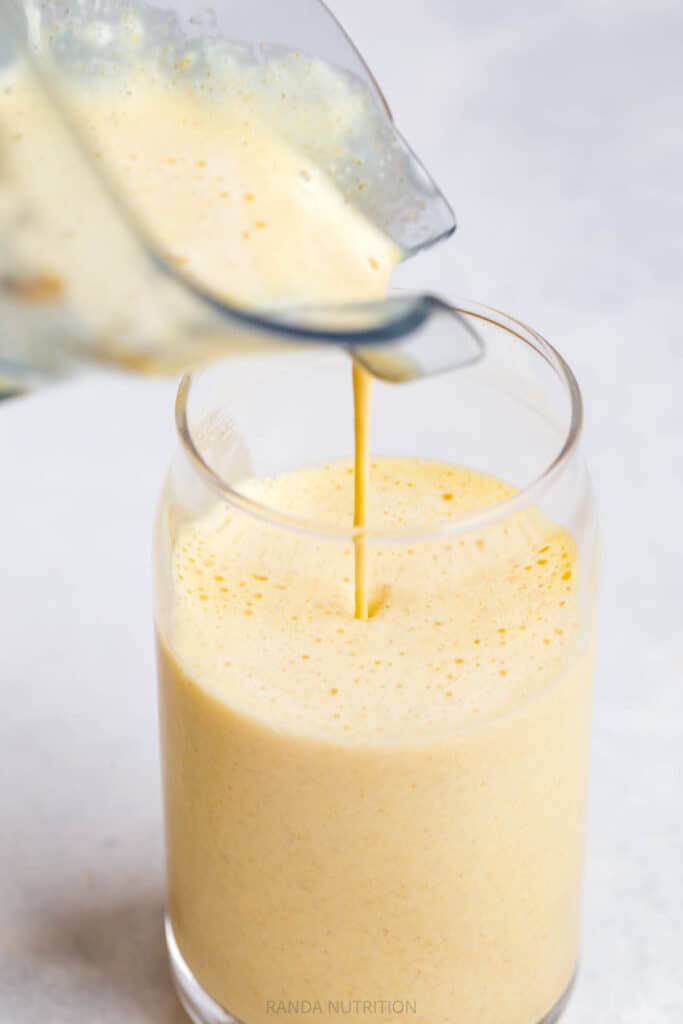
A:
464,627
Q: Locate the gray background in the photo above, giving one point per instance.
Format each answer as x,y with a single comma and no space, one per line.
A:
556,131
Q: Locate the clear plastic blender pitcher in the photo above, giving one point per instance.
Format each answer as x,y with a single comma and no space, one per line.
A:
82,279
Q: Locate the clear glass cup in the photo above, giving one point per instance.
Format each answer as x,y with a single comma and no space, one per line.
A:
424,863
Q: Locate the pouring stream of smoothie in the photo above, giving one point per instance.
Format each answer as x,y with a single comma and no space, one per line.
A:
362,384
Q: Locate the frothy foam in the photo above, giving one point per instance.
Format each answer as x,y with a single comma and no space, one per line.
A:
461,629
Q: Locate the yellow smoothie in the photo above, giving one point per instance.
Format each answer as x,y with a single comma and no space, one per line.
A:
204,165
385,810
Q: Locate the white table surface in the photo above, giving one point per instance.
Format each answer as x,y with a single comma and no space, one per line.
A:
555,129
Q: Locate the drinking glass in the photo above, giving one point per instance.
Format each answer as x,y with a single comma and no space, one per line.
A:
427,868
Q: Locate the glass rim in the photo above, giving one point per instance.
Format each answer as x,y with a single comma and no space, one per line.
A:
455,525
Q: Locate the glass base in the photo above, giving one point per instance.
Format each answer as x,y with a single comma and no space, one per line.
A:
202,1009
